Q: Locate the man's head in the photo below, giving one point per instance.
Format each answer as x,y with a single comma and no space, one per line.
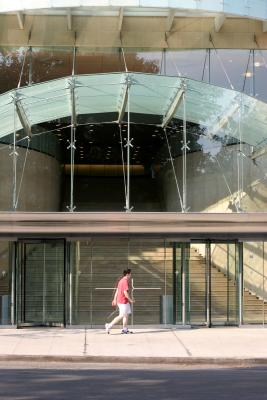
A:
127,272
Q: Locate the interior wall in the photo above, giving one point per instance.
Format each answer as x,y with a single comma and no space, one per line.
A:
108,194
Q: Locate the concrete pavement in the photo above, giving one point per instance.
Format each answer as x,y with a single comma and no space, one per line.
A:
237,346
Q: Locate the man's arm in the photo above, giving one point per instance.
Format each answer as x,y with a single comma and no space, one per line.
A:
114,301
126,294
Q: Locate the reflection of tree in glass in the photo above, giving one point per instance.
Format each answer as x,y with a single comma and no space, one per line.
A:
11,61
52,63
143,62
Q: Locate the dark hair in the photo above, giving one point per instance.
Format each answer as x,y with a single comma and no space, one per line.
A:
126,271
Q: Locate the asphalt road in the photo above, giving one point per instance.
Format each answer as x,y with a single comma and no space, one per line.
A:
104,382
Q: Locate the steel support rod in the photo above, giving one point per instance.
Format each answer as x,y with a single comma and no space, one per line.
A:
30,66
253,74
184,148
128,208
14,155
74,60
72,159
71,146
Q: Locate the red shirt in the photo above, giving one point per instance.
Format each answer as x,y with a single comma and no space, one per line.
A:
122,286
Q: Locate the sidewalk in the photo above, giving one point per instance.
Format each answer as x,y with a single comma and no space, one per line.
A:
189,346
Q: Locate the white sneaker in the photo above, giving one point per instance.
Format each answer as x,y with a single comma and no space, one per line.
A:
107,327
126,331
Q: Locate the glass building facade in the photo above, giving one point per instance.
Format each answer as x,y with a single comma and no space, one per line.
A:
71,283
135,129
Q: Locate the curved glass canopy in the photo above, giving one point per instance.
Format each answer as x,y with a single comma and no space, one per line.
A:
150,99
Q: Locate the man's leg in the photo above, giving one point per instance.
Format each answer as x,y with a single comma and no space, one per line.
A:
125,321
115,320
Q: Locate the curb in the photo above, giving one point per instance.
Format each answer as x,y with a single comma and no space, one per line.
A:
220,361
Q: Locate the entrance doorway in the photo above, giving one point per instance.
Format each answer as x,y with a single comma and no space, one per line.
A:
41,283
206,283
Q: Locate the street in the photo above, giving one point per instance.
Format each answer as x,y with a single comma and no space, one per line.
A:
129,382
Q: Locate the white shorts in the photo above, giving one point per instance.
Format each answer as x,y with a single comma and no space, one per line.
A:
125,309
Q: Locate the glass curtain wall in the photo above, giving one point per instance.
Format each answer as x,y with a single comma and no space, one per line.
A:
215,152
96,267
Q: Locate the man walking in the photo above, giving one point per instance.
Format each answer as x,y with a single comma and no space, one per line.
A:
122,299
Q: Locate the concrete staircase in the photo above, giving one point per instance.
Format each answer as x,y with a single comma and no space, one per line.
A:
224,299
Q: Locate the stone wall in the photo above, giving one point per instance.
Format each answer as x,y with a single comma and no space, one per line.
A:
38,181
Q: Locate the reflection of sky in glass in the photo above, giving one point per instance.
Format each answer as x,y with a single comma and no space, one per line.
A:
189,63
209,146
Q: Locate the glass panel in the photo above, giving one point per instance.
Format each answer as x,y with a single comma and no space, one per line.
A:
235,65
46,102
189,63
51,63
138,60
190,290
254,283
151,265
197,284
11,62
177,282
109,259
97,266
224,284
8,122
5,283
151,93
41,284
95,98
96,61
260,68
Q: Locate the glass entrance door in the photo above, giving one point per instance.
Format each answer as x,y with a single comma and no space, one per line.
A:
224,284
41,283
206,283
190,283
